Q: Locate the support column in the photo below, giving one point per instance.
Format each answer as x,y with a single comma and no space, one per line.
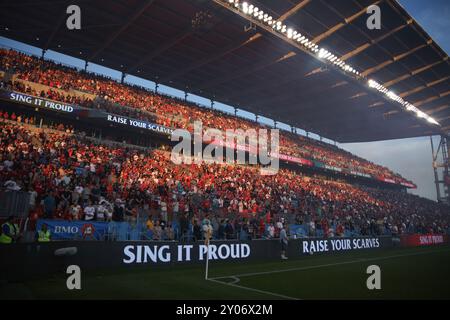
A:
434,164
86,63
446,164
122,78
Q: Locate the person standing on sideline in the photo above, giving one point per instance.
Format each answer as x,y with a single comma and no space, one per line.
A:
9,231
207,231
44,234
284,242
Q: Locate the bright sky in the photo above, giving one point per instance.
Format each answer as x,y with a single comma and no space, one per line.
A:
409,157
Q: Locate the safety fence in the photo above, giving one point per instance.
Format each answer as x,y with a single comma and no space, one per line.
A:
14,203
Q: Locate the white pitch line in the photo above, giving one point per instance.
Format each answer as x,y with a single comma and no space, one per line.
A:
253,289
236,279
326,265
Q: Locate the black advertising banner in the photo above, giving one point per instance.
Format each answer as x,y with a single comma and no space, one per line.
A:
75,110
38,102
335,245
137,124
22,260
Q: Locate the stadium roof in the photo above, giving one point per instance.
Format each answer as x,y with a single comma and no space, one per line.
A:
254,69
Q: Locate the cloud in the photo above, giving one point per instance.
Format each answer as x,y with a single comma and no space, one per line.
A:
410,157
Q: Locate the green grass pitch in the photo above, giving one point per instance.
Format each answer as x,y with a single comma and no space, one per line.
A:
406,273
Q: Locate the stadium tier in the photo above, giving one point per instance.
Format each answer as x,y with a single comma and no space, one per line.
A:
46,79
74,178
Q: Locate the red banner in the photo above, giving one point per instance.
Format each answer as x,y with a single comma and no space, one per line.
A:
447,180
414,240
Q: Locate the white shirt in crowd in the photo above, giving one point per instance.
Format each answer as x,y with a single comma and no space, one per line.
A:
65,180
271,230
33,196
176,207
8,164
101,212
75,211
79,189
89,213
279,225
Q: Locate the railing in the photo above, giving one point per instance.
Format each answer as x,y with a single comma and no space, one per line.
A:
14,203
138,231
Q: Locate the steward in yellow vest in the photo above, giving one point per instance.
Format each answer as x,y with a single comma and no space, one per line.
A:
44,234
9,231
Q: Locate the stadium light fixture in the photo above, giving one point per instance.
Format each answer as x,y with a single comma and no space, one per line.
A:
431,120
245,7
323,54
290,33
421,114
408,106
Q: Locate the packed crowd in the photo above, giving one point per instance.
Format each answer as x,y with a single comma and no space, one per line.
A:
142,104
73,178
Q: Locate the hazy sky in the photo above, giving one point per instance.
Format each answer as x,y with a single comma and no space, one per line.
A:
412,157
409,157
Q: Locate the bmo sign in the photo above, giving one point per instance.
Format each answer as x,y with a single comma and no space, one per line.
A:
74,230
65,229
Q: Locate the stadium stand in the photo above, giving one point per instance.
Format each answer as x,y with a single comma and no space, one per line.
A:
48,79
143,195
